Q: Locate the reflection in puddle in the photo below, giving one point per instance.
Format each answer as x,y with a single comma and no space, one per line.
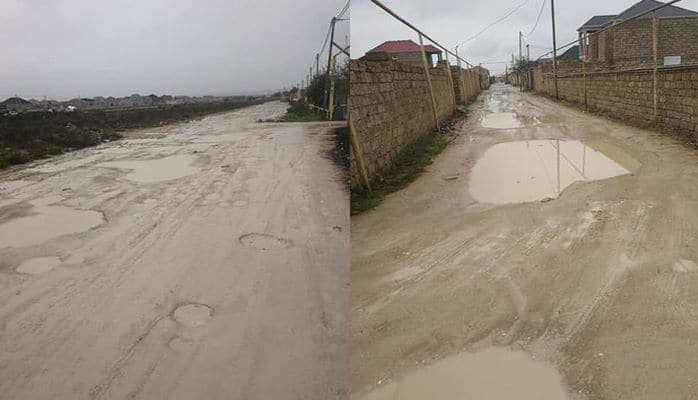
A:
162,169
492,374
46,222
522,171
503,120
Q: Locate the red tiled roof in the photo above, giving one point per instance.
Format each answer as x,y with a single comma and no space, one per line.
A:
402,46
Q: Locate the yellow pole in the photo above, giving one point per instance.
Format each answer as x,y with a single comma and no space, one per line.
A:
654,68
450,83
330,106
357,154
558,166
431,88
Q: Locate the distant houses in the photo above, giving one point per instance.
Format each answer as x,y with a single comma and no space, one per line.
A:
17,105
630,44
403,51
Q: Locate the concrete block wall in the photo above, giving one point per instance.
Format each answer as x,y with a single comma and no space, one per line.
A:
390,106
630,43
466,83
628,95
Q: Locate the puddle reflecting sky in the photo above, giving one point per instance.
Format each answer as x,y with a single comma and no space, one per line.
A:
522,171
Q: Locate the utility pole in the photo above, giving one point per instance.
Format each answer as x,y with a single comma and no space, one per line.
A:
552,10
520,52
329,62
528,53
317,64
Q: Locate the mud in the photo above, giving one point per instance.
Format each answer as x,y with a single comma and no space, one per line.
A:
156,170
156,298
597,284
520,171
192,315
39,265
492,374
44,222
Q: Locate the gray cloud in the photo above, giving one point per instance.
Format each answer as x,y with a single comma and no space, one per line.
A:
66,48
452,21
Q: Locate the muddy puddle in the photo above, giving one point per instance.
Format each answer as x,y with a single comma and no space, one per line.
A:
523,171
497,118
45,222
492,374
39,265
157,170
505,120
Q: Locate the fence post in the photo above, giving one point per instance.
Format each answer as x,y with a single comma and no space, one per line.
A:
654,68
357,154
450,82
330,104
584,77
431,89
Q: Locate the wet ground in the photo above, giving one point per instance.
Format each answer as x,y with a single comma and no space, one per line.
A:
200,260
552,254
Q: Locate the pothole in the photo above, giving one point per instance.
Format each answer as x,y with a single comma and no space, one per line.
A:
523,171
158,170
180,344
193,314
685,266
46,222
263,241
493,374
39,265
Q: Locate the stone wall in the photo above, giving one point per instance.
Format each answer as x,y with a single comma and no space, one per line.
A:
391,107
467,83
630,43
628,95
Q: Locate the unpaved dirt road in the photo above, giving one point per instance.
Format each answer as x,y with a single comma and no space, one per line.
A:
459,275
205,260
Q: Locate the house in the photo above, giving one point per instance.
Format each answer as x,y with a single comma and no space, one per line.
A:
570,54
403,51
631,43
482,71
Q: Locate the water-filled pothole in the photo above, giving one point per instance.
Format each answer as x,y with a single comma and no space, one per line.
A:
161,169
192,314
492,374
46,222
264,241
505,120
522,171
39,265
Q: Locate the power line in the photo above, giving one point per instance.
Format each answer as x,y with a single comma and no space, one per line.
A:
507,15
542,6
344,10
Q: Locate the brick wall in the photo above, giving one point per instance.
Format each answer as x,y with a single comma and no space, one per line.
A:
629,96
467,83
391,107
630,43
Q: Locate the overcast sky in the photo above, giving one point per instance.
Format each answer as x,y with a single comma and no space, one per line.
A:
452,21
65,48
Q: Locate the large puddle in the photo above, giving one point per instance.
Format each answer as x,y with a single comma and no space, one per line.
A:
522,171
46,222
157,170
504,120
492,374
